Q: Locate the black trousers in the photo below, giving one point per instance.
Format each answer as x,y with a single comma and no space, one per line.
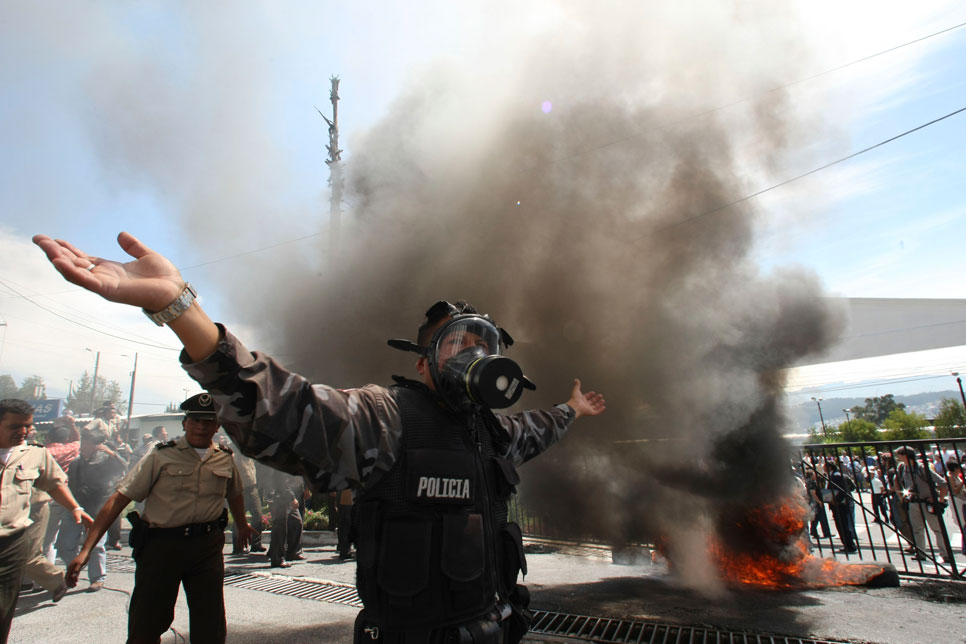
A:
844,516
821,519
286,532
163,566
13,557
345,531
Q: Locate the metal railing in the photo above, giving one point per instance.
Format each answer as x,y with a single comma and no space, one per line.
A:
886,527
912,532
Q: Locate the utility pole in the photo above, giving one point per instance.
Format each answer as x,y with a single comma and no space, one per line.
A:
818,401
130,400
334,161
97,364
959,381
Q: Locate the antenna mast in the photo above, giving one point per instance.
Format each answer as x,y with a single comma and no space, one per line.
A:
334,161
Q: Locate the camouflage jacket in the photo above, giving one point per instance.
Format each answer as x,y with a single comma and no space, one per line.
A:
335,438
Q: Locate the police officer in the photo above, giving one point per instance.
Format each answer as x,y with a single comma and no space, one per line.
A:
23,469
253,503
180,538
434,465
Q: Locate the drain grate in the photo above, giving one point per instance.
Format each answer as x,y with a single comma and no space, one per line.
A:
583,627
120,563
619,631
322,591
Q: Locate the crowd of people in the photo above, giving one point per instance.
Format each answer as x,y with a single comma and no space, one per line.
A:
95,458
909,490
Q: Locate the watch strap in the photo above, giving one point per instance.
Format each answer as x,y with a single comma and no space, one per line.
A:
174,310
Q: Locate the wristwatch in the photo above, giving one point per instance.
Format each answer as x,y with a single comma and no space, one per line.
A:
174,310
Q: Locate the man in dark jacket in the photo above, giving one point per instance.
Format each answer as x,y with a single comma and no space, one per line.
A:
842,505
91,480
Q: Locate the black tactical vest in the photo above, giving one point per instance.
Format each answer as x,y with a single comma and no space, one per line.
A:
433,544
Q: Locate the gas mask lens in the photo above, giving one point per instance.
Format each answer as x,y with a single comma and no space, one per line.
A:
462,334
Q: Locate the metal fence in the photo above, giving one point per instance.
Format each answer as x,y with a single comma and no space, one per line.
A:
887,527
530,524
920,534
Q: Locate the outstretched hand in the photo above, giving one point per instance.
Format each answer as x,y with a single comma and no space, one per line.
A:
150,281
586,404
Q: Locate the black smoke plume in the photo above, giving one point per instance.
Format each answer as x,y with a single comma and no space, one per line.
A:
592,227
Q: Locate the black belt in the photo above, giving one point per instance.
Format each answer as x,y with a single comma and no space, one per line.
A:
190,530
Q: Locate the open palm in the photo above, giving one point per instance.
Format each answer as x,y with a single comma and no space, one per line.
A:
149,280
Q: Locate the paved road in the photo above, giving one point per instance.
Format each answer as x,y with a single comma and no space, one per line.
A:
580,580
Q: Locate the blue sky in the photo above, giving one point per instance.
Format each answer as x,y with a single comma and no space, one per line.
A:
195,128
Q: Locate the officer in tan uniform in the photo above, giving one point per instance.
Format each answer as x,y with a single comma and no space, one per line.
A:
38,568
253,503
23,468
180,537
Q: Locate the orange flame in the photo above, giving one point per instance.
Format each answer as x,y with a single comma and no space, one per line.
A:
777,553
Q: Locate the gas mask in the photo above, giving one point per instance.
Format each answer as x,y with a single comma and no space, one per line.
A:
467,364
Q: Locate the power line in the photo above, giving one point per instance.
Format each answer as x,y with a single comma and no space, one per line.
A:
55,313
792,83
253,251
79,313
809,173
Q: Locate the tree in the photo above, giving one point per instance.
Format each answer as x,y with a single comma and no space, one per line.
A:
903,425
815,436
107,391
858,430
32,388
951,420
8,387
111,393
877,409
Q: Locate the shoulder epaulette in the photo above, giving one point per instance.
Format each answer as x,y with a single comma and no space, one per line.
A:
164,445
35,444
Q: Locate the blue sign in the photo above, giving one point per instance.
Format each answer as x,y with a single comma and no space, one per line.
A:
47,410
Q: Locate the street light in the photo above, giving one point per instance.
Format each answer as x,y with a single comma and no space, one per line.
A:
97,364
959,381
818,401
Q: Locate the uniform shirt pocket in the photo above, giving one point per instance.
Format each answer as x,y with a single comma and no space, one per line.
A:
177,478
25,478
215,480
